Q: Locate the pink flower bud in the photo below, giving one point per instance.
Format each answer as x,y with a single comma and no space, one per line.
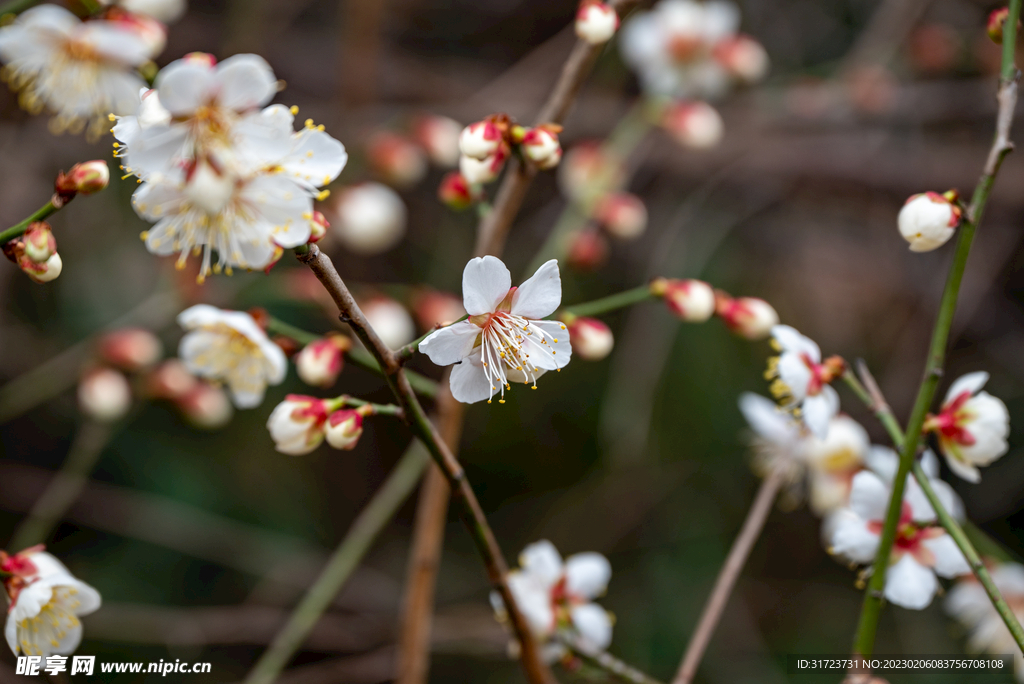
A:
691,300
486,170
320,362
297,424
541,146
439,136
590,338
694,124
588,250
622,214
996,20
396,159
44,272
39,243
390,319
928,220
130,349
201,59
369,218
455,192
318,226
596,22
743,57
104,395
171,380
84,178
480,140
432,308
344,428
748,317
206,407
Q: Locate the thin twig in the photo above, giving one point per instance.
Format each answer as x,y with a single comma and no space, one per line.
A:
727,576
473,516
868,624
607,662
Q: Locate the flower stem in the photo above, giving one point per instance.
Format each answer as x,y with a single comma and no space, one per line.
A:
727,576
381,508
980,571
18,229
609,303
378,409
606,662
868,625
873,399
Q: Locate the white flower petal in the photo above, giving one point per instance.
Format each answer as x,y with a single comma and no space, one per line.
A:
819,410
949,560
970,383
542,561
882,461
909,584
767,419
316,157
184,86
792,341
961,469
593,624
534,602
587,574
244,82
553,354
468,382
869,496
485,282
851,538
451,344
541,294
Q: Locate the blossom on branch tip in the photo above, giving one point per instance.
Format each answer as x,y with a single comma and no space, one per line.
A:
35,253
320,361
46,601
691,300
481,139
591,339
748,317
297,424
344,428
596,21
130,349
230,347
622,214
921,551
84,178
81,71
318,227
38,242
104,395
369,218
504,340
557,596
697,125
971,426
929,219
800,379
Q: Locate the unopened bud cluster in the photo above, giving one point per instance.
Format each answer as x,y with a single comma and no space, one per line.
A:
694,301
300,423
35,253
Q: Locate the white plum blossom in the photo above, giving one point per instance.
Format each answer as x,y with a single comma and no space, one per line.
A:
970,605
928,220
801,379
230,347
833,461
81,71
884,462
46,601
480,140
166,11
972,426
556,596
921,550
504,339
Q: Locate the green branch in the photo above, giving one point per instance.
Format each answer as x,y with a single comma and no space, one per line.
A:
609,303
18,229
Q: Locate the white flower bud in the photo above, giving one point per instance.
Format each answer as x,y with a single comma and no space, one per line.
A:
623,215
590,338
344,428
320,362
748,317
392,322
131,349
104,395
486,170
596,22
480,140
541,146
297,424
370,218
206,407
927,221
694,124
691,300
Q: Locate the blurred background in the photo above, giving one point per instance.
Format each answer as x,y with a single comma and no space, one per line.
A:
201,541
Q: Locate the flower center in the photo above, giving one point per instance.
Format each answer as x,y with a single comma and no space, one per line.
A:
48,629
510,345
952,420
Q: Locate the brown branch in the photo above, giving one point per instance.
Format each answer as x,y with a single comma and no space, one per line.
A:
727,576
473,516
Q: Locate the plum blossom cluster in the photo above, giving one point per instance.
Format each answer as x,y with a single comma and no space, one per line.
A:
300,423
127,366
968,603
557,599
222,171
45,602
694,301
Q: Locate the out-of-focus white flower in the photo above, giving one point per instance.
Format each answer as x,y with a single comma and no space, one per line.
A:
884,462
591,339
396,159
369,218
131,348
390,319
515,344
167,11
833,461
557,597
928,220
921,550
480,140
46,602
81,71
344,428
320,361
968,603
801,379
229,346
779,443
622,214
972,426
694,124
691,300
104,395
748,317
541,146
297,424
743,57
596,21
439,136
